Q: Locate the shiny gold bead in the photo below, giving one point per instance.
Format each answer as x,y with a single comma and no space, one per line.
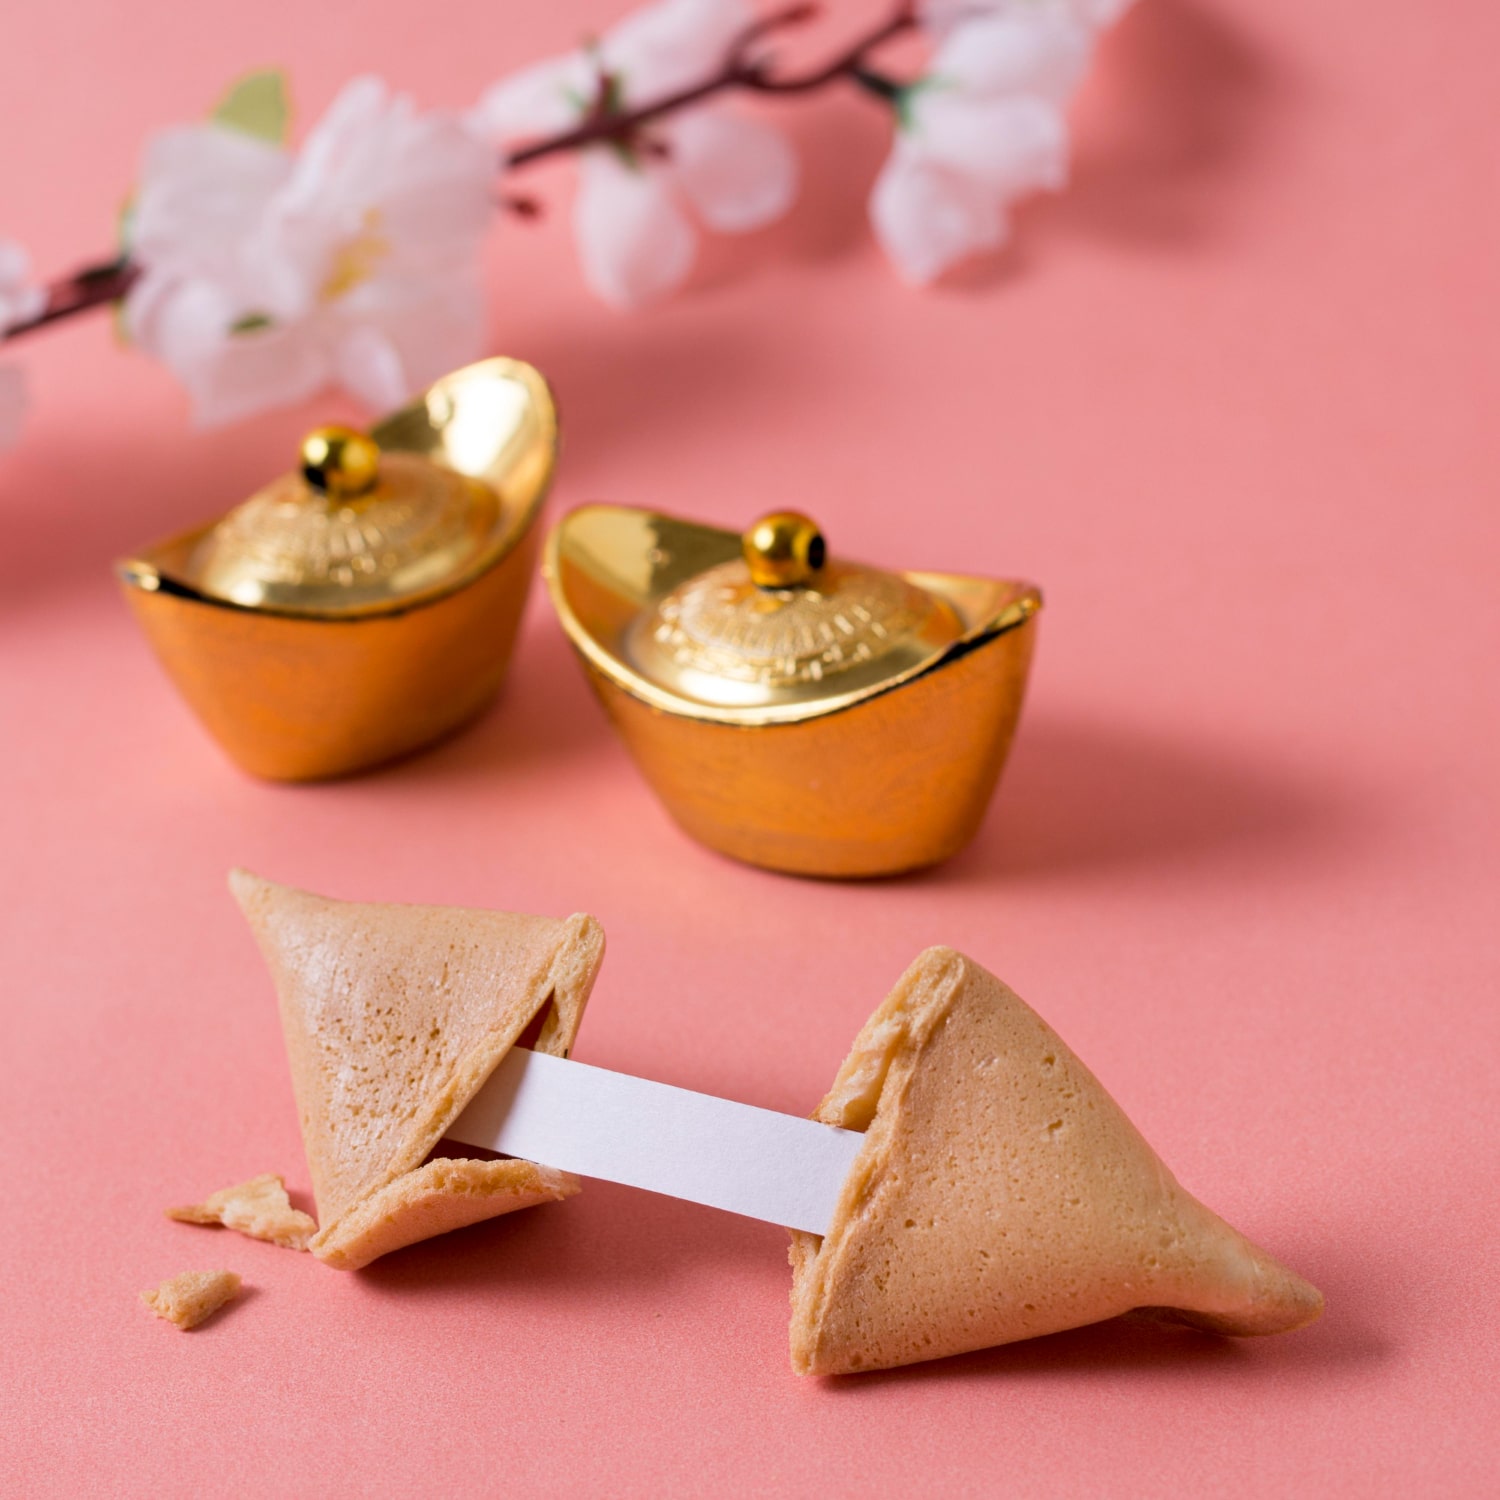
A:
784,550
339,462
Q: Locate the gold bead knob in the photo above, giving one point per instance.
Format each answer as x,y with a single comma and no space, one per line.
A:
339,462
783,550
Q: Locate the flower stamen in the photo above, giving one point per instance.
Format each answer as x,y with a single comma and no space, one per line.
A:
357,260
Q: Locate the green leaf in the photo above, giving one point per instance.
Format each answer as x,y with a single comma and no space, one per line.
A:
257,106
255,322
905,120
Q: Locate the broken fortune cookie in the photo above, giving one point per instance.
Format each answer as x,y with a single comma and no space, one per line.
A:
1000,1193
393,1017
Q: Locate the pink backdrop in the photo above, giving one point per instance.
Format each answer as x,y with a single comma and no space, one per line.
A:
1231,401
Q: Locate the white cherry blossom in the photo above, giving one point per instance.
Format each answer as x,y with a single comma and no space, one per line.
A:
20,299
633,217
983,127
268,274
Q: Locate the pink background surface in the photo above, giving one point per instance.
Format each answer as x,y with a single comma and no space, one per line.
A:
1231,401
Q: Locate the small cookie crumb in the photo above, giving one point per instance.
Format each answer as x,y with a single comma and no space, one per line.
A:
259,1208
188,1299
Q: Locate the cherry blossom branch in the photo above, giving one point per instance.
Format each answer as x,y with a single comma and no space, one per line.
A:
744,69
741,70
92,286
849,63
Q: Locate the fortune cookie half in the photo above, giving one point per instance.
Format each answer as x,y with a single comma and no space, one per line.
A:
394,1016
1000,1193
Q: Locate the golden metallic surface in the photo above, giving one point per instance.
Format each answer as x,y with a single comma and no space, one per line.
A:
783,549
295,549
340,462
720,638
885,763
320,674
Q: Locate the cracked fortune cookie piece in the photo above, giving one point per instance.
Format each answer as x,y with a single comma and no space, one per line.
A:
188,1299
394,1016
1000,1194
259,1208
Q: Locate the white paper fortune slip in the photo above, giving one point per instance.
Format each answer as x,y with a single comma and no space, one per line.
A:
667,1140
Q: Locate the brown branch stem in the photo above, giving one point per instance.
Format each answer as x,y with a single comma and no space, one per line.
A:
848,63
741,70
93,286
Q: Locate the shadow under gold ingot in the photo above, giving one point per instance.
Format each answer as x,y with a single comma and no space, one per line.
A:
367,604
793,711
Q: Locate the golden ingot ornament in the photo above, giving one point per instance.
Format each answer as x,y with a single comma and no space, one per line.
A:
791,709
366,603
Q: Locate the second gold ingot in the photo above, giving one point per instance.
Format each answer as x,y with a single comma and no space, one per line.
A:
791,709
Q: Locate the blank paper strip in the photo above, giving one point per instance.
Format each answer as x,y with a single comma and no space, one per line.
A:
667,1140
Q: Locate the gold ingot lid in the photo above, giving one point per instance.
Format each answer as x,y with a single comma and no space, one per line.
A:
761,627
783,623
349,530
421,507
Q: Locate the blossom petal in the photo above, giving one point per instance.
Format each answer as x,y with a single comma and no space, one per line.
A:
15,265
344,152
739,173
255,372
368,363
20,300
202,192
177,318
1013,146
1039,49
201,211
541,100
633,241
928,218
435,191
21,305
229,376
672,45
658,50
400,337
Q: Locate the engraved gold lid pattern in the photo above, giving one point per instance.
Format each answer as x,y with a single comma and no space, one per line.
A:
721,624
311,540
760,627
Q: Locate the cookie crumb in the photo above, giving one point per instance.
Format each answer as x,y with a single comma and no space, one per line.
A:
188,1299
259,1208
